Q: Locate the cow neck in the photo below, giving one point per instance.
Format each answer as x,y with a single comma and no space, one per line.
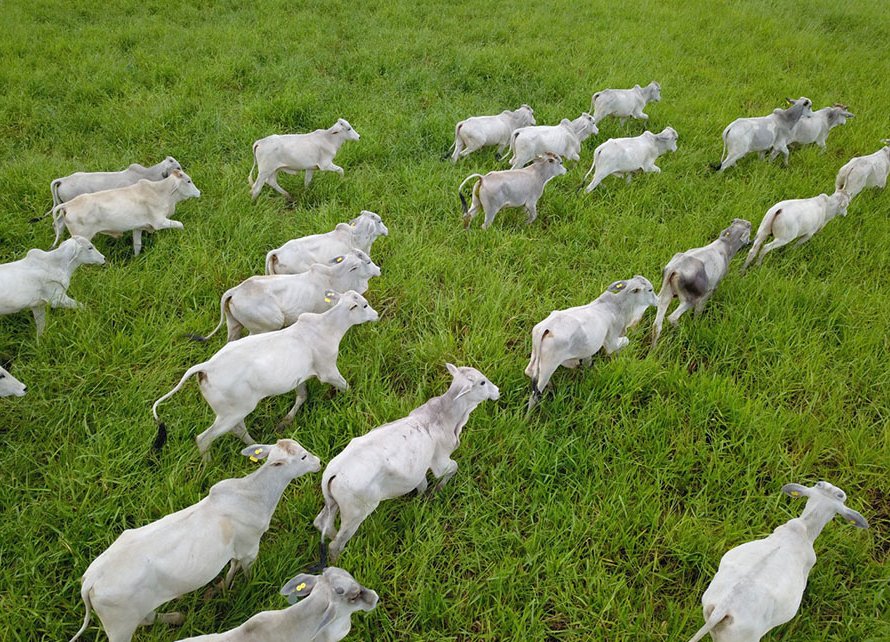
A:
816,515
266,486
333,322
360,235
450,413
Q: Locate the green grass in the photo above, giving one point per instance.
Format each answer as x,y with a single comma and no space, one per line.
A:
604,516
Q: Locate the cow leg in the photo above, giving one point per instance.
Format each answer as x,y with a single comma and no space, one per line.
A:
458,146
39,312
273,183
597,179
664,302
772,245
700,304
137,242
220,426
302,394
731,160
470,147
173,618
330,167
443,469
532,209
475,206
681,309
651,168
352,515
640,115
241,431
65,301
546,368
421,487
234,328
611,344
803,239
121,626
261,179
627,177
334,378
307,177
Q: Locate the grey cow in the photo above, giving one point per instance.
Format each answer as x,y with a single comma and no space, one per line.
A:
324,616
624,103
571,337
773,132
510,188
693,275
865,171
814,127
483,131
393,459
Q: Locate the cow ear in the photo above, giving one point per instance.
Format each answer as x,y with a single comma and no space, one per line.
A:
452,369
299,586
617,286
331,297
853,517
256,452
796,490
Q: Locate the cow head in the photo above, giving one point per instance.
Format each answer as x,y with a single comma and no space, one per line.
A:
472,385
584,127
168,165
633,296
287,455
838,115
653,92
800,108
827,499
344,129
79,251
367,226
10,386
841,200
357,308
737,235
549,165
340,594
184,185
524,116
667,139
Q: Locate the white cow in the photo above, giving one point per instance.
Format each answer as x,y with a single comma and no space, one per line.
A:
143,207
483,131
745,135
292,153
624,103
267,303
68,187
242,373
865,171
148,566
42,278
796,219
624,156
298,255
564,140
10,386
693,275
759,584
510,188
815,126
393,459
324,616
572,337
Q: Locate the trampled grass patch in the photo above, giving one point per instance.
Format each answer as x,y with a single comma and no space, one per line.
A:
601,517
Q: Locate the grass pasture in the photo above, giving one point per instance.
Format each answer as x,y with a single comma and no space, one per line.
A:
602,517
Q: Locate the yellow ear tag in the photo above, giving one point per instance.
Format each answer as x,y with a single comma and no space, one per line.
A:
794,493
852,521
327,299
300,586
253,459
339,259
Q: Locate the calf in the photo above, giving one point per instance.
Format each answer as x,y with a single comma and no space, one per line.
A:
10,386
267,303
571,337
814,127
482,131
865,171
143,207
624,156
148,566
773,132
292,153
624,103
68,187
298,255
693,275
393,459
796,219
42,278
510,188
324,616
235,379
563,140
759,584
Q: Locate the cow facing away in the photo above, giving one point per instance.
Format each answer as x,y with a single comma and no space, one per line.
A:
143,207
564,140
267,303
484,131
243,372
624,103
759,585
298,255
510,188
393,459
865,171
624,156
292,153
815,126
572,337
796,219
693,275
41,279
10,386
68,187
762,133
148,566
324,616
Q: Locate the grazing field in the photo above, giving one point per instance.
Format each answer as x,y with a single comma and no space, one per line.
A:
601,517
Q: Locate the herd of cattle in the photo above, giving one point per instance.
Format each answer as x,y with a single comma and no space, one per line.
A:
297,314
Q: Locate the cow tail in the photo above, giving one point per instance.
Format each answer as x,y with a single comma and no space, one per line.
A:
253,167
324,522
763,232
54,188
58,212
463,200
85,596
162,428
271,262
223,305
717,616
